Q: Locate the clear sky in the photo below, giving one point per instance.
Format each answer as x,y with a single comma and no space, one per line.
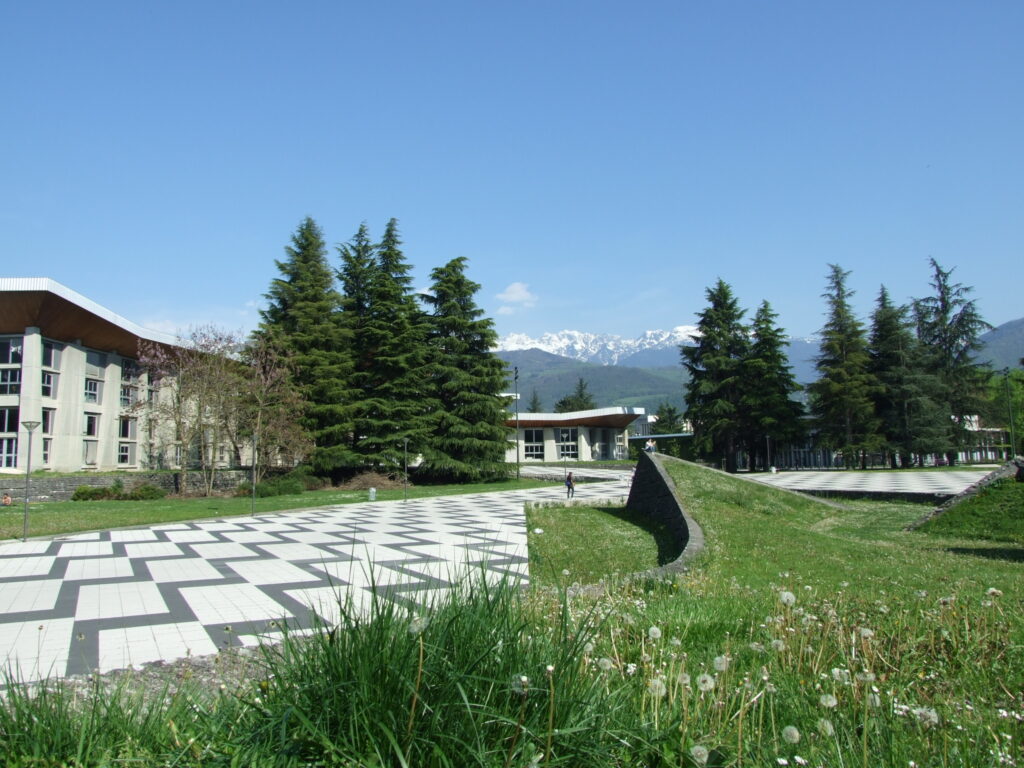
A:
599,163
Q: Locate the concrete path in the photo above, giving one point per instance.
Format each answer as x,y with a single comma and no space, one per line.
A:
121,598
918,483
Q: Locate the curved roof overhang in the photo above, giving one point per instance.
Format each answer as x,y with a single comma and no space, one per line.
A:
618,418
60,313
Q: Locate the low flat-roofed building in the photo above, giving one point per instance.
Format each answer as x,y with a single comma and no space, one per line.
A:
69,365
592,435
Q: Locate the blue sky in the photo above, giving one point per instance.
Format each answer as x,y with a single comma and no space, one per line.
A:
599,163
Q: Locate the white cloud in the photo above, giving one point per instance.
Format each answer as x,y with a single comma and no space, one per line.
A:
516,296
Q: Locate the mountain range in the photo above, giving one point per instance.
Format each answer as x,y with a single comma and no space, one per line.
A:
646,371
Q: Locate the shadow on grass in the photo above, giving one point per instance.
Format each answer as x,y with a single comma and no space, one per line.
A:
1014,555
668,548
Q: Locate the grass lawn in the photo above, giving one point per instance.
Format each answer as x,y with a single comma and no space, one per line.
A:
56,517
995,513
806,634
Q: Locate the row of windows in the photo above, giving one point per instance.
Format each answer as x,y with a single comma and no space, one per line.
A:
567,442
11,352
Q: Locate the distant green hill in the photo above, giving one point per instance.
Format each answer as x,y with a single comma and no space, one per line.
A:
1004,346
553,377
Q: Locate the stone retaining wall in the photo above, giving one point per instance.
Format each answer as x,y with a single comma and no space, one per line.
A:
653,493
61,487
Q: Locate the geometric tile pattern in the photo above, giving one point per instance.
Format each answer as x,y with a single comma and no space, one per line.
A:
940,483
120,598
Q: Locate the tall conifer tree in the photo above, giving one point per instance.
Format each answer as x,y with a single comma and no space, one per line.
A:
911,422
841,397
468,436
301,317
770,413
949,324
715,366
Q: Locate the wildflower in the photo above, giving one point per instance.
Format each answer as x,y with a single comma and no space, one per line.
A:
656,687
705,682
993,592
549,669
521,685
828,701
825,727
654,633
538,531
675,642
922,593
787,598
927,716
631,669
791,735
605,664
945,602
841,675
799,760
588,648
699,754
721,663
866,634
757,647
778,645
683,679
418,624
866,677
565,571
770,688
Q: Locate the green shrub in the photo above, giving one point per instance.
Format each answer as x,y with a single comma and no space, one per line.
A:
281,485
90,493
116,492
146,492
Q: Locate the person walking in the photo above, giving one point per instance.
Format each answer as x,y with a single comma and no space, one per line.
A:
570,486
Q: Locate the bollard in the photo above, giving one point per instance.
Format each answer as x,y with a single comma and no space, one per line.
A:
373,494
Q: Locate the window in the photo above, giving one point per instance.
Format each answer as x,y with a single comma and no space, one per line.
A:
129,395
10,381
47,446
51,354
127,429
126,453
8,451
10,351
49,380
533,443
90,448
129,370
93,391
92,424
48,416
9,420
95,364
568,447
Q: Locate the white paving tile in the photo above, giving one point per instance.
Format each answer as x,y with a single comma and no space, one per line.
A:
19,596
229,603
125,647
118,600
86,549
251,537
189,536
223,550
33,650
153,549
141,534
20,567
270,572
182,569
98,568
296,552
8,548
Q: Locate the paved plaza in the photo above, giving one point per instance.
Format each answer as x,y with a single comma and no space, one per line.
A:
911,482
121,598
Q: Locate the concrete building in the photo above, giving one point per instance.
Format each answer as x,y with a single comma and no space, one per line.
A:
69,364
593,435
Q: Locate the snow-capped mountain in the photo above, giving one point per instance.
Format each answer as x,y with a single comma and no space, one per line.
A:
602,348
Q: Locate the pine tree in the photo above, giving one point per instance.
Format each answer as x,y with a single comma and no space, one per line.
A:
948,325
468,437
386,396
579,400
715,367
770,413
302,319
534,406
841,397
911,422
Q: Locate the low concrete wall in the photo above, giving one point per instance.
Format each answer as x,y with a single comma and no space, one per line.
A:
61,487
653,493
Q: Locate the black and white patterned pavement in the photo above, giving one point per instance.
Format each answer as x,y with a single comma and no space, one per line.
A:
121,598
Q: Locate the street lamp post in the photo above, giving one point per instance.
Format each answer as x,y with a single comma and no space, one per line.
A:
30,428
405,475
515,379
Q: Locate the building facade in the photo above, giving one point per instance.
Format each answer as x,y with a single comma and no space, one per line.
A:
68,365
593,435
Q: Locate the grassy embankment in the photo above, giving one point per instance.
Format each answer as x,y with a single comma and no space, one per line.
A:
806,635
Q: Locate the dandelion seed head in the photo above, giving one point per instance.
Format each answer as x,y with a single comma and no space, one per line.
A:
683,679
828,701
705,682
787,598
825,727
538,531
654,633
605,664
631,669
791,735
588,648
927,716
699,754
721,663
656,687
418,624
993,592
778,645
866,633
